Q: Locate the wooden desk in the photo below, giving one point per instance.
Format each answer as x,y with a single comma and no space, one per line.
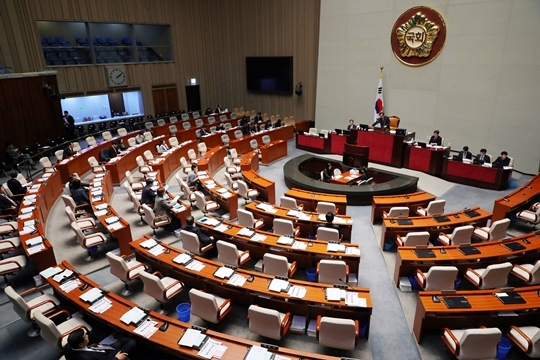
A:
518,199
169,162
265,187
242,145
412,201
50,189
484,311
273,151
428,160
181,213
355,156
345,178
475,175
308,257
214,139
384,148
227,200
250,161
427,223
164,129
303,125
491,252
311,143
309,199
212,160
307,227
255,292
165,341
337,143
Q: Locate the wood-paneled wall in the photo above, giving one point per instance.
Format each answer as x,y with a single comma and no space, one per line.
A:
211,39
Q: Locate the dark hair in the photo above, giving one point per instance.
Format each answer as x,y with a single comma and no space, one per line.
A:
436,132
328,165
161,191
13,173
351,120
465,148
504,153
76,338
329,217
76,183
381,113
190,220
149,181
483,150
193,166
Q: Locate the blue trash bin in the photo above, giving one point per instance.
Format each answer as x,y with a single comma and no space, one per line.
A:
414,283
363,329
388,245
311,274
503,348
457,283
183,311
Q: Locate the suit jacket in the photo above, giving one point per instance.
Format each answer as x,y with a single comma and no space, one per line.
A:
112,152
202,132
434,140
486,159
80,196
504,162
148,196
104,155
88,354
161,206
68,152
15,186
5,202
203,239
467,156
351,127
384,122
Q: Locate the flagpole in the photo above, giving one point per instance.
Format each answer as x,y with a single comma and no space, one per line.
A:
380,75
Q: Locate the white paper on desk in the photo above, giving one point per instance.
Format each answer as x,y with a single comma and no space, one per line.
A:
182,259
227,195
221,228
352,299
195,265
96,184
256,353
99,176
299,245
179,207
220,351
100,212
285,240
102,206
133,315
304,216
35,249
351,250
335,247
297,292
33,191
70,285
264,207
100,306
91,295
224,272
146,329
258,237
150,243
116,226
335,294
29,223
237,280
339,220
112,219
208,349
96,198
209,221
245,232
281,357
27,230
189,337
64,274
278,285
222,190
337,177
34,241
157,250
27,210
97,193
46,175
25,216
47,273
293,213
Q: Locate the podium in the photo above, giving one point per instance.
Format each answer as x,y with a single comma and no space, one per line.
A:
355,156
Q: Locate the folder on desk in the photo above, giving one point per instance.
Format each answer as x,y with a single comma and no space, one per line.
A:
455,302
193,338
224,272
469,250
510,298
513,246
440,219
404,222
471,213
424,253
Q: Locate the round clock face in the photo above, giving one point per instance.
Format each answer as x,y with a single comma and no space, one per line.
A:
117,76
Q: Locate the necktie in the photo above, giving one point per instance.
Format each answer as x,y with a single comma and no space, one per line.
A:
482,157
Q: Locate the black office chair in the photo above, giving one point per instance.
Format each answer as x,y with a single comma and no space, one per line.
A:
103,126
92,128
81,131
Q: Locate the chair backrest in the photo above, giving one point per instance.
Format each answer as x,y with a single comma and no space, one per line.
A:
337,172
70,214
225,139
332,271
186,125
106,135
161,122
254,144
496,275
90,140
59,154
233,153
211,120
6,189
200,201
462,235
213,129
288,202
275,265
324,207
282,226
337,333
184,163
266,140
416,238
148,155
140,161
19,305
324,132
511,162
173,119
173,129
399,211
202,148
192,154
498,229
245,218
153,286
234,115
394,122
243,189
222,118
435,207
185,116
227,162
78,232
195,114
121,131
49,331
132,142
441,278
264,322
328,234
190,242
148,216
92,161
204,305
227,253
199,122
238,134
23,180
479,343
173,141
118,266
147,136
76,146
230,181
148,125
68,201
313,131
535,271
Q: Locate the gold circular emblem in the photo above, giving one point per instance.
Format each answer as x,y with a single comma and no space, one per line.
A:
418,36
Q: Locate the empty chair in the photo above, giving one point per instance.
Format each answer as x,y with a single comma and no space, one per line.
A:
288,202
122,131
208,307
233,170
59,154
434,207
278,265
324,132
245,192
56,335
472,344
460,235
230,255
132,142
222,118
125,269
173,130
186,189
413,238
225,139
227,126
185,165
46,164
135,183
148,125
91,141
337,333
285,227
528,272
186,125
529,216
268,322
161,122
44,303
173,119
437,278
238,134
152,220
211,120
266,140
246,218
95,165
337,172
203,205
136,201
234,156
195,114
333,271
106,135
143,168
11,265
232,184
90,241
173,141
312,131
397,211
254,145
162,288
147,136
527,338
86,223
324,207
185,116
191,243
148,155
496,231
9,244
213,129
494,276
328,234
202,148
199,122
192,155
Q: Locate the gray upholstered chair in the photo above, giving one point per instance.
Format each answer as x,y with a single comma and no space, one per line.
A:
191,243
337,333
528,272
173,141
125,269
151,219
497,231
245,192
527,338
285,227
10,266
246,219
203,205
230,255
437,278
460,235
328,234
434,207
89,241
396,212
491,277
332,271
278,265
414,238
162,288
325,207
268,322
472,344
208,307
56,335
288,202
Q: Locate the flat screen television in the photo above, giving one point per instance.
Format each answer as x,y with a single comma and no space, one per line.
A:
272,74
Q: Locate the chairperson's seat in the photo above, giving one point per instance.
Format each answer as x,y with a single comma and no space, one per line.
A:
268,322
472,344
209,307
337,333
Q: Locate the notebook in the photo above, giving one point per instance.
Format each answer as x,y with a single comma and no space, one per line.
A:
471,213
404,222
513,246
424,253
440,219
510,298
453,302
468,250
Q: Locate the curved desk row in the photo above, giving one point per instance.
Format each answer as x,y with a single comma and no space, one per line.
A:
491,252
518,199
168,162
391,228
164,340
309,199
164,129
381,204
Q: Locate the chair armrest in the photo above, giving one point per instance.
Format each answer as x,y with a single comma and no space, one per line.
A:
59,312
297,230
13,247
520,332
399,240
356,331
524,269
384,214
40,304
456,342
423,276
318,325
292,269
480,236
158,274
318,268
31,290
135,267
243,253
223,305
285,323
9,262
172,285
125,257
475,273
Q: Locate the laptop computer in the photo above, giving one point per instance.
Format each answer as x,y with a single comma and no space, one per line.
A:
338,131
363,126
457,158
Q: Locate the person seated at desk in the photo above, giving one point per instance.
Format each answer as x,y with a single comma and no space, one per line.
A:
163,207
68,151
483,156
15,185
246,125
139,139
161,147
327,173
465,154
502,160
8,206
257,119
114,151
148,195
76,176
221,126
193,179
208,111
351,125
203,131
14,157
277,123
218,109
204,239
80,195
435,140
121,145
77,347
330,221
382,121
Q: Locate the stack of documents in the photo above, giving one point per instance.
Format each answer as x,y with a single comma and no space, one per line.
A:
102,206
258,237
285,240
70,285
116,226
182,259
265,207
91,295
333,247
47,273
212,349
112,219
100,306
35,249
133,316
224,272
27,210
237,280
352,299
335,294
245,232
257,353
195,265
221,228
148,244
62,275
209,221
193,338
297,292
34,241
157,250
351,250
279,285
299,245
146,329
298,324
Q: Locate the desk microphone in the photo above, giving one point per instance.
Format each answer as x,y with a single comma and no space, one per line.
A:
346,284
406,196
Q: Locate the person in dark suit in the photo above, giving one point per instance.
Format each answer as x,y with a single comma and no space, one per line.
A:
104,155
218,109
383,121
8,206
69,123
14,157
220,127
208,111
163,207
435,139
327,173
15,185
330,222
465,153
79,194
483,156
203,238
246,125
351,125
277,123
113,150
203,131
68,151
76,176
148,195
77,348
502,160
257,119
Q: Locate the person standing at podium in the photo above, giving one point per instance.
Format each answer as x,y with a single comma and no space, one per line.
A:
435,139
351,125
483,156
382,121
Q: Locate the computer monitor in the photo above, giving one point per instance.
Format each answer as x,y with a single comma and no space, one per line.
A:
321,135
457,158
364,127
401,131
338,131
478,162
421,144
497,165
345,132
